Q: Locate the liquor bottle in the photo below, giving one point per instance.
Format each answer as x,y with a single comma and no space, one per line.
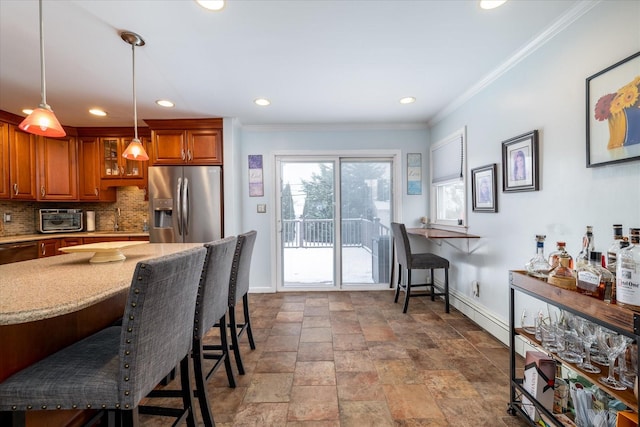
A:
587,247
593,279
628,272
563,276
554,257
614,248
538,265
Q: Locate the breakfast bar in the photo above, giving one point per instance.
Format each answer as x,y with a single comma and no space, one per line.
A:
49,303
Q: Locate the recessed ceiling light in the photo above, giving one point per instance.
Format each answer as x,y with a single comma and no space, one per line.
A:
263,102
491,4
27,111
165,103
407,100
211,4
97,112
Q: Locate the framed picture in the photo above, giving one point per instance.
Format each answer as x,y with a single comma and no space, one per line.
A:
414,174
613,113
256,179
520,163
484,189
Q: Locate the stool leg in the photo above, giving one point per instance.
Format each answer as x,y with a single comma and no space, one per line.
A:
224,343
407,292
247,321
187,393
398,286
233,329
201,384
446,290
433,286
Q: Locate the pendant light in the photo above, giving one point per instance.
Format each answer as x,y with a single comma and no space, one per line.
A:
42,121
135,150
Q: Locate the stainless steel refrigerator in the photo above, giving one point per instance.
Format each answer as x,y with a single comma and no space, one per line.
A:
185,204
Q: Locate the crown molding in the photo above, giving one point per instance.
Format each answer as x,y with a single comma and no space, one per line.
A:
540,40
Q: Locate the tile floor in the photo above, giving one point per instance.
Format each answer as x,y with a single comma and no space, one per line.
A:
353,359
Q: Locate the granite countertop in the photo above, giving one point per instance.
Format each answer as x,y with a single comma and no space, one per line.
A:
42,236
49,287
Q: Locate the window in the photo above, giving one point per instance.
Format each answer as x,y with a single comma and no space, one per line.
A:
448,189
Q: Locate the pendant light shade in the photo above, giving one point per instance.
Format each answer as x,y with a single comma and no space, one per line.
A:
135,150
42,121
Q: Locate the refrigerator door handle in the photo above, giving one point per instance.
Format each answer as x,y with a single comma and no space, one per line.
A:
179,205
185,207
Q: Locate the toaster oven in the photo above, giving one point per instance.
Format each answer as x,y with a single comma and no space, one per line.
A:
59,220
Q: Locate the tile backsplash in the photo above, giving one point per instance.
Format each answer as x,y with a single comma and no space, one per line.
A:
133,211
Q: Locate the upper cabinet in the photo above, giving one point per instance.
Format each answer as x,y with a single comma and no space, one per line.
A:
185,142
22,164
113,170
57,168
5,191
89,181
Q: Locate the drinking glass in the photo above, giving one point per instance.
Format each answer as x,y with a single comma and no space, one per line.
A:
549,337
530,329
612,345
569,343
587,332
628,364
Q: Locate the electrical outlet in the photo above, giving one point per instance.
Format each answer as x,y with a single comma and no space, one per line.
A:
262,208
7,217
475,288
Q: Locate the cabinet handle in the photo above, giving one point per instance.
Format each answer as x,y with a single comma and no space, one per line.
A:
15,188
95,190
43,249
189,155
121,170
42,191
182,155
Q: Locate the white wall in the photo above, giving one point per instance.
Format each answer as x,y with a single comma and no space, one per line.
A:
546,91
270,140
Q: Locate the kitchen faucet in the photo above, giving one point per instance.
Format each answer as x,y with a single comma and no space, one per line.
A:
115,221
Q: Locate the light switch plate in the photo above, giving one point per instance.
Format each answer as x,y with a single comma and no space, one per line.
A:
262,208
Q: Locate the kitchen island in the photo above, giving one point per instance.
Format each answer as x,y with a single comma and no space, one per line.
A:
49,303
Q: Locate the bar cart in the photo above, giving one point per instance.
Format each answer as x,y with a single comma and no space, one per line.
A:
614,317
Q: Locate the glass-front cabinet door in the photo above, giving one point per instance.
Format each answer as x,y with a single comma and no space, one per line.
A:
114,166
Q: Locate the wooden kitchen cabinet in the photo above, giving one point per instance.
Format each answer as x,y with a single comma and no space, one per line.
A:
57,168
70,241
185,142
5,187
89,172
48,247
115,167
22,164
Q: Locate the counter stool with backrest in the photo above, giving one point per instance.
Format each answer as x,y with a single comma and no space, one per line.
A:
413,261
239,291
114,369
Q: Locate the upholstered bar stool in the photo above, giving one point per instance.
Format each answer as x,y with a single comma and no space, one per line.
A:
117,367
409,260
239,291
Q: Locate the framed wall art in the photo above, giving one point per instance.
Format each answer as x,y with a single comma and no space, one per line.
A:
484,189
256,180
520,163
414,174
613,113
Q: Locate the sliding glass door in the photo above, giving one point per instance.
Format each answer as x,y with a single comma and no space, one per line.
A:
333,222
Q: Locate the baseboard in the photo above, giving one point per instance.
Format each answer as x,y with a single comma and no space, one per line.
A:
487,321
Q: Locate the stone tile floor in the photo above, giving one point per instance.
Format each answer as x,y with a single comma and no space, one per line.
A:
354,359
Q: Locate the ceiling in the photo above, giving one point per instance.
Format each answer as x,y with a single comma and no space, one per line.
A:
318,61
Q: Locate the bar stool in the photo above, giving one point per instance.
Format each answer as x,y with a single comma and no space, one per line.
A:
117,367
413,261
239,291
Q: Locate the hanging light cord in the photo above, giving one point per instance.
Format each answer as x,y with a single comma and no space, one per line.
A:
43,85
135,103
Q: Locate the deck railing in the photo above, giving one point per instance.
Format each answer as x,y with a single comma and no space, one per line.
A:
319,233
